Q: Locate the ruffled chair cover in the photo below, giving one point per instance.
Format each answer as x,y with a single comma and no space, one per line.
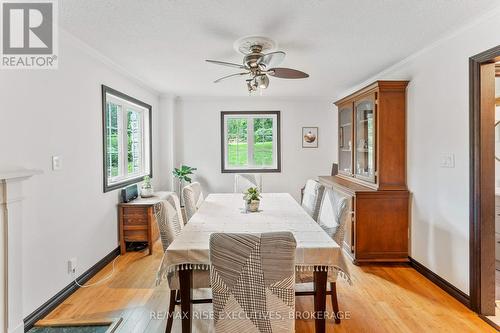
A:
193,198
311,200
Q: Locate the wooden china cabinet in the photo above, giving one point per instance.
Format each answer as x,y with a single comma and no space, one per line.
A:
372,172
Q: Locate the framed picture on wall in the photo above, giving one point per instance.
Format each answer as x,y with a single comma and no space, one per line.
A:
309,137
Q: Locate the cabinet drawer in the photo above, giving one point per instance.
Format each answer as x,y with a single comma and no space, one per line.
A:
135,216
135,235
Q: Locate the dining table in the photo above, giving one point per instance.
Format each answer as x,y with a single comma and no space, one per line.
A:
316,252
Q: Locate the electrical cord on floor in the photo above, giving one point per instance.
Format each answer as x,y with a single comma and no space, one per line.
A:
98,282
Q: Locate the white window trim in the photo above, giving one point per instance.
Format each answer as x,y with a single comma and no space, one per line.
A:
145,169
250,140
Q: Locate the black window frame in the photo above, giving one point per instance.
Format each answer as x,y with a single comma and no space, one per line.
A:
278,141
107,90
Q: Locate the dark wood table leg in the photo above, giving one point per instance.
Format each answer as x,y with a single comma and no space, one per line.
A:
186,290
320,278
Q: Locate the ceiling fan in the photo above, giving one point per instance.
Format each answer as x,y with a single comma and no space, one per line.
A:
259,65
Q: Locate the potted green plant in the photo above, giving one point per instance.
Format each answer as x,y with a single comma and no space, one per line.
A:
182,174
147,188
252,199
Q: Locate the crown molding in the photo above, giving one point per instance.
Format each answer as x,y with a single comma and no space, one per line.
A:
256,99
93,53
447,36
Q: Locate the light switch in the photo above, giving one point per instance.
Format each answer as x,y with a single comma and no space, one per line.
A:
447,160
56,163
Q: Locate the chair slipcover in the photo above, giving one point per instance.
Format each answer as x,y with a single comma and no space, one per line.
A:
332,218
242,181
193,198
311,200
169,218
333,214
253,282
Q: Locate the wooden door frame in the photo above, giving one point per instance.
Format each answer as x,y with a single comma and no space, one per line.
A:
482,196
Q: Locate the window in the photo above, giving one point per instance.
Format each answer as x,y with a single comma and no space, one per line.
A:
250,141
126,139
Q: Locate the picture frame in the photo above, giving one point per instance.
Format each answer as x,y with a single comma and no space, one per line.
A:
310,137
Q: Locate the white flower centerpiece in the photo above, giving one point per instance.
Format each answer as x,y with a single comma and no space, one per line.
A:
252,199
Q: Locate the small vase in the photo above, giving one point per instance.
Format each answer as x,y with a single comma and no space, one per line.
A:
147,192
252,206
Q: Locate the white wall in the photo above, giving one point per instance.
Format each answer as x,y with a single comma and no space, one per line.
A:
198,140
438,122
58,112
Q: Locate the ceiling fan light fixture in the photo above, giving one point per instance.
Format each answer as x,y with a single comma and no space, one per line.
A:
263,81
252,85
259,65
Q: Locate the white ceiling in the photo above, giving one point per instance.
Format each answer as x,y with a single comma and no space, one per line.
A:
339,43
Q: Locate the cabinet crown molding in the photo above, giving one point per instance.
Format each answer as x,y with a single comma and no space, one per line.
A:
381,85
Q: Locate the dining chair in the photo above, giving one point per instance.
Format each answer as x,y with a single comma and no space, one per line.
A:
193,198
242,181
332,217
170,224
252,276
312,197
168,215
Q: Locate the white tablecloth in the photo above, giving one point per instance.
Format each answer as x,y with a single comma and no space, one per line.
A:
278,212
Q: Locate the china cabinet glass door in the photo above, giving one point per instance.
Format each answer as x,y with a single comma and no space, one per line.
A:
345,139
364,156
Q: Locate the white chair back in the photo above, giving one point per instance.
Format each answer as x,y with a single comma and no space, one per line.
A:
193,198
169,219
242,181
333,214
311,200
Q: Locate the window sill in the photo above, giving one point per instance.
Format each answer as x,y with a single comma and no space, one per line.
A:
275,170
124,183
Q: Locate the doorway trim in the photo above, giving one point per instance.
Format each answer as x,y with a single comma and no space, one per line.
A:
482,185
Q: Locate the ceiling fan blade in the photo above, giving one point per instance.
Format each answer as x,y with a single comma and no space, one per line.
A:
223,63
287,73
228,76
272,59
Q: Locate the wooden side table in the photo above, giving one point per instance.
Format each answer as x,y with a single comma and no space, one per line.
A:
137,222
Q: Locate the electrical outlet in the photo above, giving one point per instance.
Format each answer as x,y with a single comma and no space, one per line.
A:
447,160
72,266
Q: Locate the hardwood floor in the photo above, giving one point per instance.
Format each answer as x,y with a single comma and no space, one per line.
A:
383,298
